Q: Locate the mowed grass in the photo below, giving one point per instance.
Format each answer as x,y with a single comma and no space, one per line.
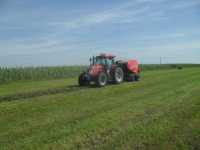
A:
162,111
19,87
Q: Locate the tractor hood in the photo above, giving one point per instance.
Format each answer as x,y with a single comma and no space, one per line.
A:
95,69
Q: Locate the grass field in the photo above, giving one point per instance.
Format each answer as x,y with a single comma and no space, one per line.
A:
162,111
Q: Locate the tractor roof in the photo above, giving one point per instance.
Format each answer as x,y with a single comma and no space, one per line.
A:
109,56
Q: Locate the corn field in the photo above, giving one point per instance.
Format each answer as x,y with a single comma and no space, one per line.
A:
38,73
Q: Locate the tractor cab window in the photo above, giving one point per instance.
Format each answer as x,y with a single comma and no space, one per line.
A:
100,61
103,61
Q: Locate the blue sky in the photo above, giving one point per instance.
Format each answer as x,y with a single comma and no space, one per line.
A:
67,32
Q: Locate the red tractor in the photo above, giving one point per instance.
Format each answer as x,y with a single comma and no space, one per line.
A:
104,69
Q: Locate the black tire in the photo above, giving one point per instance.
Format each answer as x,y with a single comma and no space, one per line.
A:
102,79
118,75
81,81
131,77
137,77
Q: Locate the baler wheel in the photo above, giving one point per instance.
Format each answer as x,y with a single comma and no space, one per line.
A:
137,77
133,77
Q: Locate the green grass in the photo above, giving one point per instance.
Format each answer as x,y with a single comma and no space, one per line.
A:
18,87
162,111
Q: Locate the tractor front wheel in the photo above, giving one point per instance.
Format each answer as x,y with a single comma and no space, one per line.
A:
102,79
81,81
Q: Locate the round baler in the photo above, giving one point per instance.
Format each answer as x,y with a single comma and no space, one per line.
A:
104,69
131,70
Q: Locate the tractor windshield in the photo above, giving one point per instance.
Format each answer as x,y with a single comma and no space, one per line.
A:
100,61
103,61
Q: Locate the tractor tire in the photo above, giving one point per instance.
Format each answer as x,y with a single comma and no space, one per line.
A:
133,77
118,75
102,79
137,77
82,82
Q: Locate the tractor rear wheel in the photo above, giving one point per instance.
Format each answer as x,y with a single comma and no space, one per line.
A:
118,75
102,79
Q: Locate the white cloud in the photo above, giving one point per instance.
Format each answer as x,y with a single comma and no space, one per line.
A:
132,11
125,13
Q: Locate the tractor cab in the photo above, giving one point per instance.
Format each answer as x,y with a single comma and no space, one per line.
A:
106,60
